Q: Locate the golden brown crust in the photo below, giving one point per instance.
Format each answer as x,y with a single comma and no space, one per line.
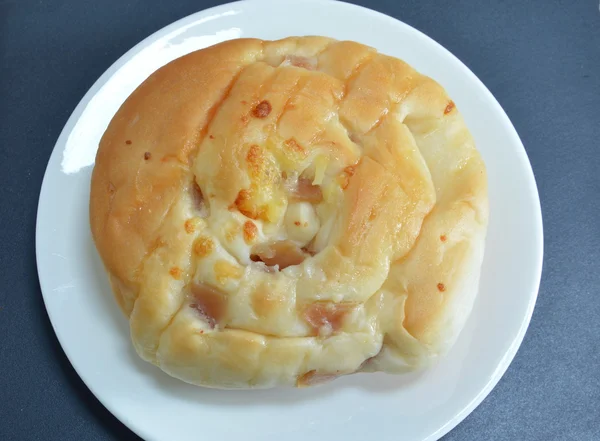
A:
166,116
350,175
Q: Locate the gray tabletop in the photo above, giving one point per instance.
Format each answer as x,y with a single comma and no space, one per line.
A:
540,58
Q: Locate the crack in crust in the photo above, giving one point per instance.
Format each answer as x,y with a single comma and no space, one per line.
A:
358,68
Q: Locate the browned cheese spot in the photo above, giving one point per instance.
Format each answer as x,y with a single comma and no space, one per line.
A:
147,156
190,226
449,107
262,109
250,232
244,204
175,272
203,246
293,145
128,142
209,302
443,238
441,287
254,158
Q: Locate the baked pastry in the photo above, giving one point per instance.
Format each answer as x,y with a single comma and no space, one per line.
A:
285,212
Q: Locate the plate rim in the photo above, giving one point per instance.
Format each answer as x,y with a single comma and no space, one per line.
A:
537,266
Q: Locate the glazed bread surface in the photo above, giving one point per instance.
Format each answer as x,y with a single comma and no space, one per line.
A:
277,213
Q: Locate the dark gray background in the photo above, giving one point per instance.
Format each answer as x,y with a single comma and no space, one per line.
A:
541,59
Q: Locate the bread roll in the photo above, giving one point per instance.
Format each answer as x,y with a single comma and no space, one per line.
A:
281,213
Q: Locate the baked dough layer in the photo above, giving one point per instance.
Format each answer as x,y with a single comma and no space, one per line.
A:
285,212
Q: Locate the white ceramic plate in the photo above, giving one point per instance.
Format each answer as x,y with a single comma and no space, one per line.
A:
94,334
